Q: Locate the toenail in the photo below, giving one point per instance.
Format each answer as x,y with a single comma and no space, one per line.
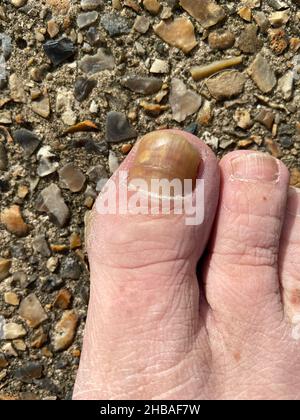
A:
164,155
255,167
293,204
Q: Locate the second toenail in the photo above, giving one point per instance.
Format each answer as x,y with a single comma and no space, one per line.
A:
255,167
165,155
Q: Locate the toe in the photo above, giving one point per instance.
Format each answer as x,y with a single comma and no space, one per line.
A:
144,306
242,280
289,257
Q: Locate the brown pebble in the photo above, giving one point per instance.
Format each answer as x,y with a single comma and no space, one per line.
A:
274,148
59,248
64,331
75,240
221,40
179,33
278,40
86,125
5,265
153,6
13,221
125,148
63,299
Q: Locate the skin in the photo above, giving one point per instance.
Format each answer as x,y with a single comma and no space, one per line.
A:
198,312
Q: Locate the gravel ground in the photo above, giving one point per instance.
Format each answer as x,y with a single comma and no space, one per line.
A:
80,81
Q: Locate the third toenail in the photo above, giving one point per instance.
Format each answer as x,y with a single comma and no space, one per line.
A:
165,155
255,167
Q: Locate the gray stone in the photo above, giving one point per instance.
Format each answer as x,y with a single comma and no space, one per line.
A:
27,140
118,128
51,202
262,74
70,269
141,24
71,178
59,50
248,41
5,45
226,85
143,85
40,246
115,25
32,311
3,158
92,64
83,88
90,4
87,19
184,102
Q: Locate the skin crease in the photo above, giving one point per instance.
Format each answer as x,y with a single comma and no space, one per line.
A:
156,330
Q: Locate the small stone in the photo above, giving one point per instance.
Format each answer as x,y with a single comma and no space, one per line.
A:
83,126
248,41
273,148
17,91
184,102
18,3
278,4
3,158
13,221
39,338
286,85
252,3
5,117
72,178
143,85
23,191
262,74
115,24
86,19
70,269
279,18
118,128
97,173
206,114
63,299
159,66
92,64
29,371
90,4
47,164
245,13
32,311
278,40
242,118
59,50
210,140
295,44
5,45
262,21
11,298
113,162
20,345
52,28
83,88
28,140
266,118
11,331
52,264
75,241
42,106
40,246
9,351
5,265
51,201
226,85
153,6
207,12
295,178
141,24
3,361
64,331
221,39
125,148
153,109
179,33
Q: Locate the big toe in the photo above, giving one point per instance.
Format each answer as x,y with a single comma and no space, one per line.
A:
144,306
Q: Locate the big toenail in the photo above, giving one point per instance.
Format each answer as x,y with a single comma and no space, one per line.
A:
255,167
165,155
293,205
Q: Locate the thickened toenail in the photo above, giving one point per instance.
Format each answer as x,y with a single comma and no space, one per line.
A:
165,155
255,167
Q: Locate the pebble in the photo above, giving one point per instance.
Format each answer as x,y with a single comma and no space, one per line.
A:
206,114
9,351
243,119
3,158
71,178
3,72
70,268
51,201
83,88
52,264
153,6
52,28
159,66
13,221
169,32
18,3
92,64
32,311
118,128
11,331
115,24
5,265
286,85
5,45
262,21
16,87
245,13
11,298
279,18
141,24
113,162
47,164
42,106
278,40
96,173
248,42
63,299
28,140
64,331
266,118
40,246
143,85
226,85
39,338
90,4
29,371
59,50
184,102
87,19
278,4
3,362
207,12
262,74
295,178
221,39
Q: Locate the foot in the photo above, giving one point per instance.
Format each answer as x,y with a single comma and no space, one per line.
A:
163,326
